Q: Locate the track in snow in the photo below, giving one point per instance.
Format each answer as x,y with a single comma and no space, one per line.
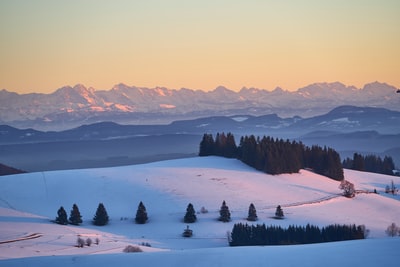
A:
27,237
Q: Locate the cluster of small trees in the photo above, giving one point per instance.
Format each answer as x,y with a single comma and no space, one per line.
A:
393,230
274,156
80,242
100,218
370,163
253,235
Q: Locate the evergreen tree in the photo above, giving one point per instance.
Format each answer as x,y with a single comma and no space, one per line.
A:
230,150
75,217
101,216
62,217
252,213
279,212
387,166
141,214
207,146
190,216
224,213
358,162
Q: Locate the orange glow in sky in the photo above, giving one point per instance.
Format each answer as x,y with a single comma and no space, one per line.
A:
46,44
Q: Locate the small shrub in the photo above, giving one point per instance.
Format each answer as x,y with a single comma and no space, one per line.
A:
203,210
145,244
80,243
187,232
97,241
131,249
88,242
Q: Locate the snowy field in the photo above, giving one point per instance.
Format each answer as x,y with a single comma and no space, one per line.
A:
29,201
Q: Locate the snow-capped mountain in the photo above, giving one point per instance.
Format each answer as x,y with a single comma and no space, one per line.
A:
72,106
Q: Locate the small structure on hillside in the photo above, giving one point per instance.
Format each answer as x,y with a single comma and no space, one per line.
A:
187,232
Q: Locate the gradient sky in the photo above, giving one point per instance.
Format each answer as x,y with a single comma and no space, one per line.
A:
46,44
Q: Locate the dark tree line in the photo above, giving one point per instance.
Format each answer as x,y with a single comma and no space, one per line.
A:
260,235
370,163
274,156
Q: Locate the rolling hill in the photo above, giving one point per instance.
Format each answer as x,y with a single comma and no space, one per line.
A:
30,201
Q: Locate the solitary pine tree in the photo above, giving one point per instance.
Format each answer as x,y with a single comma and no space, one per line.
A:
101,216
190,216
75,217
279,212
224,213
141,214
252,213
62,217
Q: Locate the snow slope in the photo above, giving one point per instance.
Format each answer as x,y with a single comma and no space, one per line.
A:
29,201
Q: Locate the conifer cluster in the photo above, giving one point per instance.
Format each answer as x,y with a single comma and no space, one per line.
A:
370,163
75,217
274,156
256,235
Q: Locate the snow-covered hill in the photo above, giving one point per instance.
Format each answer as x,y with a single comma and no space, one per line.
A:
29,201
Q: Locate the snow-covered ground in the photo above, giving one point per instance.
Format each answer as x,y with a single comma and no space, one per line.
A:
29,201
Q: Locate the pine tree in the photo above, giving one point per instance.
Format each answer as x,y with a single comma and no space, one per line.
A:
141,214
101,216
230,150
252,213
279,212
75,217
358,162
190,216
207,146
62,217
225,215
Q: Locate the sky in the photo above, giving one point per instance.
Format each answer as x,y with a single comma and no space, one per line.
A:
47,44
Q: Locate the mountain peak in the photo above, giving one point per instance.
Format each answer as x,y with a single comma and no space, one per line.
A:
378,86
128,104
221,88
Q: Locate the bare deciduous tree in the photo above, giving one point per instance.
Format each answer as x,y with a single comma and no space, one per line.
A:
392,230
348,188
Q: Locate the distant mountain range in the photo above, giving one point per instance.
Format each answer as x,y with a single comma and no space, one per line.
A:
70,107
348,129
343,119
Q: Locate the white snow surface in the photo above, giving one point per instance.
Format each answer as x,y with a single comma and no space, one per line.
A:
28,203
